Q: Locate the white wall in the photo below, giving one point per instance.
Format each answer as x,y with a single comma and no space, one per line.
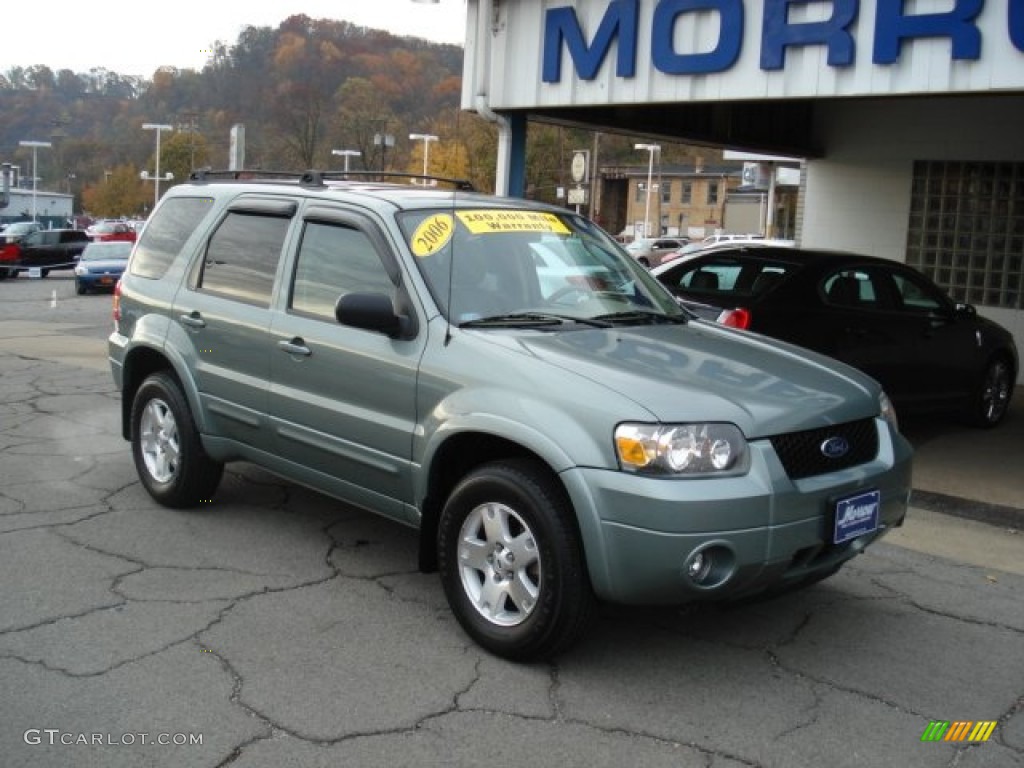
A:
857,198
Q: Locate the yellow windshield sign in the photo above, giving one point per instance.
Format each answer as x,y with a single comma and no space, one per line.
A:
432,234
482,222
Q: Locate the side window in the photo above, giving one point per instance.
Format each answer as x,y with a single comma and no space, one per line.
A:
242,256
334,260
166,232
914,296
852,288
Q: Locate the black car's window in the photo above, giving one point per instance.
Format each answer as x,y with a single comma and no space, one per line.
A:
334,260
165,234
915,295
728,277
852,288
242,257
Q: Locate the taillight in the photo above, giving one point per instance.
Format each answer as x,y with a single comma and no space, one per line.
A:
735,318
117,304
9,252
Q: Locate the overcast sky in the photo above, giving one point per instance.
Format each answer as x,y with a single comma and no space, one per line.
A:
134,39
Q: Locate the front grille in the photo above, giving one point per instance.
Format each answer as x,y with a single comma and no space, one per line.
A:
802,456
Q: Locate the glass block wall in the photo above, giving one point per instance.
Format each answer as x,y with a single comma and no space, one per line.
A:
966,229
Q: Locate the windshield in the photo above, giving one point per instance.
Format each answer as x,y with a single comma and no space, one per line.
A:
498,263
97,251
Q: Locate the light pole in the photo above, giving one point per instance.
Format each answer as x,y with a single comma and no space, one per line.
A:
159,128
346,153
652,148
35,149
426,138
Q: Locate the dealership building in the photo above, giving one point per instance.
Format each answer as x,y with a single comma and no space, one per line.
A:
907,115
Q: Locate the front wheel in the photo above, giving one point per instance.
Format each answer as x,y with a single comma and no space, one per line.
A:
80,288
511,561
169,456
991,398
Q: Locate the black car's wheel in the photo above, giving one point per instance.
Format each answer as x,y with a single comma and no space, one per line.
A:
511,562
991,398
169,457
80,289
45,273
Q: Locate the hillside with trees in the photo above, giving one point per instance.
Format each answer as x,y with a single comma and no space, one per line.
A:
300,90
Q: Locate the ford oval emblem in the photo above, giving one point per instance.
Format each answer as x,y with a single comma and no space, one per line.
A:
835,447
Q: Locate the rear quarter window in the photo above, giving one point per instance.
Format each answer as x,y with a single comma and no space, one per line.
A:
167,231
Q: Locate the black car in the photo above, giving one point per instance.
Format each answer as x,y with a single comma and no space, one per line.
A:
45,249
878,315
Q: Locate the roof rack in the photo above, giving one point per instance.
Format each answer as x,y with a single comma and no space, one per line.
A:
314,178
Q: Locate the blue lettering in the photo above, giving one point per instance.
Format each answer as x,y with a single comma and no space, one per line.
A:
730,37
561,25
777,33
1015,21
892,27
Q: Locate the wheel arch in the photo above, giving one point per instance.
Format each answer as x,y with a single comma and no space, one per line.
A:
454,458
140,363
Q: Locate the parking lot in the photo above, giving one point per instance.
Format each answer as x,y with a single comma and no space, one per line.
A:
276,627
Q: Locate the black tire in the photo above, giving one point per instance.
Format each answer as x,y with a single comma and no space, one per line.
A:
991,397
168,454
542,599
4,274
80,289
45,273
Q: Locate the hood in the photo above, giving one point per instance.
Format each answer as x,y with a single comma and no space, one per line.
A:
705,372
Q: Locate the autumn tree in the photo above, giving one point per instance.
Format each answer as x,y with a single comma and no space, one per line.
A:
121,193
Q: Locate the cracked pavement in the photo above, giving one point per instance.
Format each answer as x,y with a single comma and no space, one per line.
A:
288,630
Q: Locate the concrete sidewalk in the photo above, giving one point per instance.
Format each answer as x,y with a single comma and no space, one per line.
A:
970,472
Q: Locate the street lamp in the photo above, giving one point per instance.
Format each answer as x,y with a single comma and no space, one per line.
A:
652,148
346,153
426,138
159,128
35,149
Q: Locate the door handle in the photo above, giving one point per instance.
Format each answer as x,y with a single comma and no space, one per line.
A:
192,320
295,346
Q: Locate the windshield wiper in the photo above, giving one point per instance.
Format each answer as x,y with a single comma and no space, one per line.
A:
641,316
526,319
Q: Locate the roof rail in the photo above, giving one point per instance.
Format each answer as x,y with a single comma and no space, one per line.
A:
314,178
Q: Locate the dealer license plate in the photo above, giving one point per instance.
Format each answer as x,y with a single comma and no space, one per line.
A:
856,515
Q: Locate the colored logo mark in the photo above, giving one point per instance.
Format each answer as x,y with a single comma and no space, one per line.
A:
959,730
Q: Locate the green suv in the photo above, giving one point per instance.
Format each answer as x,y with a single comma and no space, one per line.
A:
503,377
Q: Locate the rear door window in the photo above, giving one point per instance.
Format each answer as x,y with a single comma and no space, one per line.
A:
242,256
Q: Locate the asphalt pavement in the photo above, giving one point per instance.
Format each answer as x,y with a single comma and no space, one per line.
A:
278,628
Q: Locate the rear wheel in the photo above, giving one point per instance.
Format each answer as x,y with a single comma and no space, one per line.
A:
991,398
511,562
169,456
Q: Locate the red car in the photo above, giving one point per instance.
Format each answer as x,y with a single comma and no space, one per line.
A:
107,231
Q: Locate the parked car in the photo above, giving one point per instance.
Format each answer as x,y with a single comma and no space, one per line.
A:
501,376
104,231
650,251
15,231
45,249
695,249
881,316
101,265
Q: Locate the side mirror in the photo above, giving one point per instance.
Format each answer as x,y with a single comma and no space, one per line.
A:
372,312
966,310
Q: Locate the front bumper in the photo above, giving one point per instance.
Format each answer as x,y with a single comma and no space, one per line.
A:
761,530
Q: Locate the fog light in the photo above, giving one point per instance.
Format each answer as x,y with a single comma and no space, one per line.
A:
699,566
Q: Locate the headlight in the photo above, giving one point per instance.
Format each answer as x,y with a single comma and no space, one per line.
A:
887,411
687,450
